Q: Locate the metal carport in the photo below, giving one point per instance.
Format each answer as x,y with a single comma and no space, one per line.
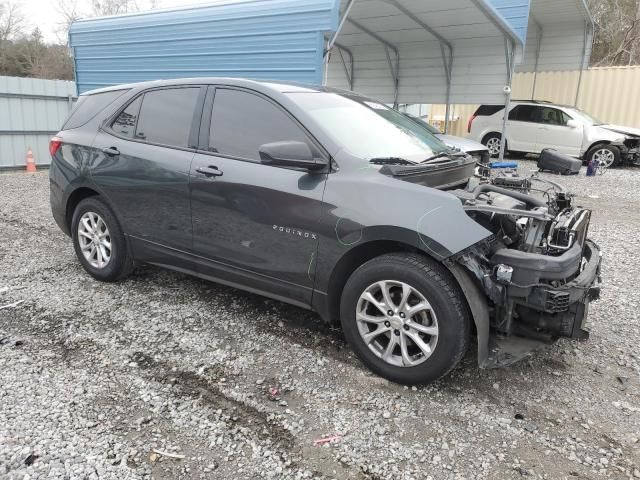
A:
459,51
408,51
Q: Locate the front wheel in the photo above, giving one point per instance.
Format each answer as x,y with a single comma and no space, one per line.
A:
603,156
405,317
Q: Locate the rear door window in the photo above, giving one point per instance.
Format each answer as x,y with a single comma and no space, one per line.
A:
88,106
166,116
241,122
524,113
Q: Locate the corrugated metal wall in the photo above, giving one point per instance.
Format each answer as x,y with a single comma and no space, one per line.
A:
31,111
608,93
260,39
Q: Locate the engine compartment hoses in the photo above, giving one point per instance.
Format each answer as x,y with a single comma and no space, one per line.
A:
529,200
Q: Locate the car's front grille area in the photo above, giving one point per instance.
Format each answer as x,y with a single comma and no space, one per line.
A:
557,301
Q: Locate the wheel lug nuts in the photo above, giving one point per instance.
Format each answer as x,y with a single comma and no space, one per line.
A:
390,313
396,332
406,327
402,315
387,324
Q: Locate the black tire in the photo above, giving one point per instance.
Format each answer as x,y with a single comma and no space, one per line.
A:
121,262
492,137
611,148
440,289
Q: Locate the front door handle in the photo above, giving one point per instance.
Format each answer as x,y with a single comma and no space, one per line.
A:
210,171
111,151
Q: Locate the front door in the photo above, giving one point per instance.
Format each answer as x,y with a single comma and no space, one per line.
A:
142,165
553,132
254,225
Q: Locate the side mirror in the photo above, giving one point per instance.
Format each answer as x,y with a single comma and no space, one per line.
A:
573,123
290,154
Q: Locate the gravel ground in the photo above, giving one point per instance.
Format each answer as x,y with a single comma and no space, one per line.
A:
96,378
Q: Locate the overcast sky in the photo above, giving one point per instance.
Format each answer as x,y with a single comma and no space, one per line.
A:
45,13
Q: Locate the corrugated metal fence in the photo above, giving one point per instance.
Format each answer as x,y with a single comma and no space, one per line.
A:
31,111
611,94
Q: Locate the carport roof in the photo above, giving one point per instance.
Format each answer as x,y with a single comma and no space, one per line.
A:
459,51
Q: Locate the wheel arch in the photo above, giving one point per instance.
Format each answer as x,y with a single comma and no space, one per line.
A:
596,144
75,197
353,259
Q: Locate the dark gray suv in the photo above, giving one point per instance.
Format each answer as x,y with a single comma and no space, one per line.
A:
304,195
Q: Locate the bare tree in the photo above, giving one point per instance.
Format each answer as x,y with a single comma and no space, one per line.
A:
11,19
617,39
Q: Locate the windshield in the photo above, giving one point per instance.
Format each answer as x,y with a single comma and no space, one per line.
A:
364,132
585,117
424,124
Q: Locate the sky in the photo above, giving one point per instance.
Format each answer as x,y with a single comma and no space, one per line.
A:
46,16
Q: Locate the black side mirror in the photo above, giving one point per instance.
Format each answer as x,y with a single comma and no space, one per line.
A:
290,154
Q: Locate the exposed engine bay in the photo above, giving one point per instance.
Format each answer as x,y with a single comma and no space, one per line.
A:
538,270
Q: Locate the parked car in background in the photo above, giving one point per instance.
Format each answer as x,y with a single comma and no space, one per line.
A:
467,145
536,125
304,195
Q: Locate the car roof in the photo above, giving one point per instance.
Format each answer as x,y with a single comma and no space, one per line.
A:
278,86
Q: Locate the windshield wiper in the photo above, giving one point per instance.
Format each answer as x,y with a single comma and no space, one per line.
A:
391,161
447,153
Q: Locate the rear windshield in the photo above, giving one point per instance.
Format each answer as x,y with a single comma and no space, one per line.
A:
487,110
88,106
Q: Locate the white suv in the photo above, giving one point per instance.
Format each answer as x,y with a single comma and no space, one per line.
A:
536,125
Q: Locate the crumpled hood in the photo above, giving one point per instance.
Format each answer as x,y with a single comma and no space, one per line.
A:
633,132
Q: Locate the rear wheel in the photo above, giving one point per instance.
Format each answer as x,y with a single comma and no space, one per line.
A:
99,242
492,142
405,317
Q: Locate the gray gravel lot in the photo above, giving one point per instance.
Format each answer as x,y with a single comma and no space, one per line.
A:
94,377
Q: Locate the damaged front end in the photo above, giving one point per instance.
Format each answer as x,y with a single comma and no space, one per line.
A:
538,271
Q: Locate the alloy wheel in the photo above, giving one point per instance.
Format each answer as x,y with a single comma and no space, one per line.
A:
94,240
397,323
603,157
493,145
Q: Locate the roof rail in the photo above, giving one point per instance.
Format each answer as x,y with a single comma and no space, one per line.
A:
533,101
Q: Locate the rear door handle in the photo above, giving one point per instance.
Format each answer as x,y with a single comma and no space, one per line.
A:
111,151
210,171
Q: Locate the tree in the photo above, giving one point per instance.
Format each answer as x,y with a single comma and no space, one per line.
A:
617,32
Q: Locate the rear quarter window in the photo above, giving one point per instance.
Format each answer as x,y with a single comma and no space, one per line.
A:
88,106
487,110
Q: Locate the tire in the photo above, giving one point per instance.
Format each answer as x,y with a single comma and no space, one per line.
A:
448,313
610,154
119,263
490,141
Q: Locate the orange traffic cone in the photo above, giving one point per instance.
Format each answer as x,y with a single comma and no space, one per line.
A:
31,163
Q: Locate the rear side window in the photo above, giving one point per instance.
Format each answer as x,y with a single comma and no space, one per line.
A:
88,106
241,122
166,116
125,124
525,113
487,110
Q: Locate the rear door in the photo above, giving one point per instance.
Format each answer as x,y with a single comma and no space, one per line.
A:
553,132
522,128
144,157
254,225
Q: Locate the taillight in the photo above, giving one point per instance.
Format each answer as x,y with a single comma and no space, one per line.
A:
54,145
469,124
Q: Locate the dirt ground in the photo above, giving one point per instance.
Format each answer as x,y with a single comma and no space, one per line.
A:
166,376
